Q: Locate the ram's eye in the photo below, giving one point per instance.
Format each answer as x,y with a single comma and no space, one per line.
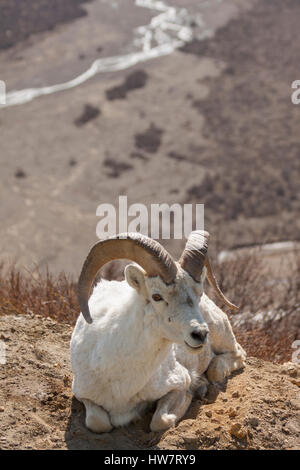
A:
157,297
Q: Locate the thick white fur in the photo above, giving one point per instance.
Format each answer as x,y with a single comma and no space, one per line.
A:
134,352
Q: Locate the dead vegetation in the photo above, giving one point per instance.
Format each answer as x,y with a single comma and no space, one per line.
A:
37,293
267,325
34,17
269,301
133,81
88,114
150,139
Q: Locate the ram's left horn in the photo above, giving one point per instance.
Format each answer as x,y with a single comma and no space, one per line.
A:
193,259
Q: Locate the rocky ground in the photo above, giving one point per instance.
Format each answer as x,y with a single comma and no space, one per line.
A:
255,409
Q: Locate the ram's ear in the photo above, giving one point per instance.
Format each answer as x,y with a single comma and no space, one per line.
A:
135,276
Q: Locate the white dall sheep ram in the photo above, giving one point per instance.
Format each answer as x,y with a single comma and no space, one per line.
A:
149,338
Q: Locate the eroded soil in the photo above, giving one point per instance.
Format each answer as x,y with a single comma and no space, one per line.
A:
258,408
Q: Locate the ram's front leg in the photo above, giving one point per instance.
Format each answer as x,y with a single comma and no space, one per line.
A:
224,364
229,355
170,408
97,419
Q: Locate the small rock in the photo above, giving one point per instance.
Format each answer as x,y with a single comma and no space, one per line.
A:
66,381
296,382
208,413
238,431
232,413
217,428
235,394
4,337
190,437
184,426
254,422
220,411
293,426
295,404
1,409
292,372
214,420
256,377
290,369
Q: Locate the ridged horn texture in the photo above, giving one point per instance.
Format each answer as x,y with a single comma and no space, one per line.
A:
148,253
194,258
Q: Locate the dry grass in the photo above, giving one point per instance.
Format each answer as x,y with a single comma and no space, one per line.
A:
254,285
270,310
242,280
261,343
36,293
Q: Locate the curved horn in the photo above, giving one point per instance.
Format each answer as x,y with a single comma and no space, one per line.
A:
214,284
194,258
143,250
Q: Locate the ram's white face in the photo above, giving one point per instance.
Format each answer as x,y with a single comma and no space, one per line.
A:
176,306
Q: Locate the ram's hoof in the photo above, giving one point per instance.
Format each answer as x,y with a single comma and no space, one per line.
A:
201,391
162,423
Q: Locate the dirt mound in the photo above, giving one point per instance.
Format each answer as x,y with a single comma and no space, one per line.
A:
258,408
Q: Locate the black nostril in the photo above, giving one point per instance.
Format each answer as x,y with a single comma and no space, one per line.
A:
199,335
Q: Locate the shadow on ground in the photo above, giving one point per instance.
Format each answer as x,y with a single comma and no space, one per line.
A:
135,436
